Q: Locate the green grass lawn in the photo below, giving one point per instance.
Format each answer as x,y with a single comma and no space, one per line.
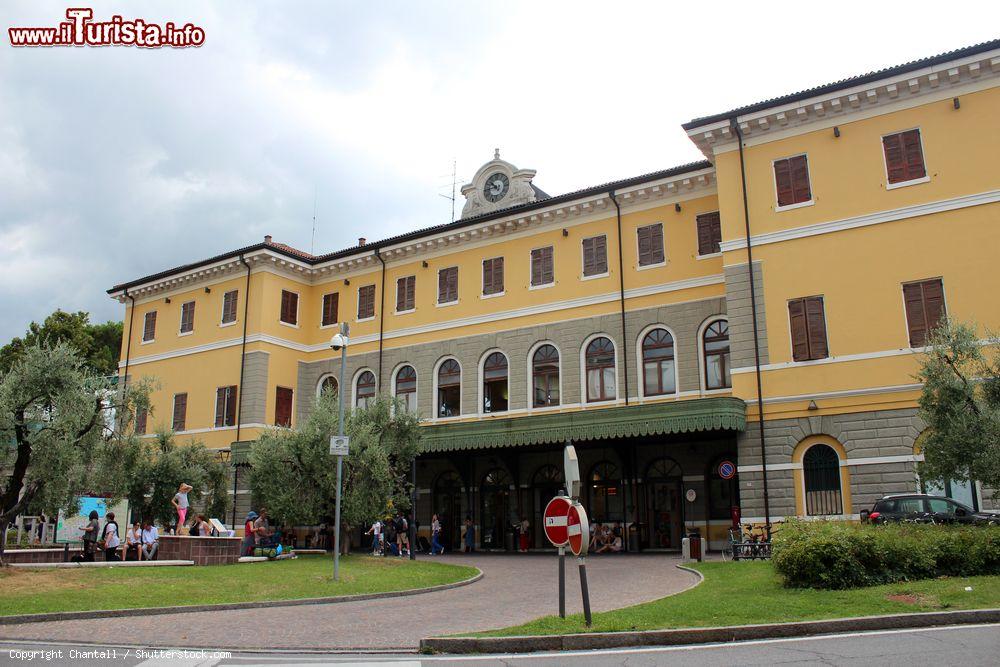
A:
741,593
25,591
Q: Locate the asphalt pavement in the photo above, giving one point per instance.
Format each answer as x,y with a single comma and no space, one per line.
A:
967,645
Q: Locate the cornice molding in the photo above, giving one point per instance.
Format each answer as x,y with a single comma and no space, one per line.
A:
846,103
892,215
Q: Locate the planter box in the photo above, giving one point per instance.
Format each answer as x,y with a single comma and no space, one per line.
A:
201,550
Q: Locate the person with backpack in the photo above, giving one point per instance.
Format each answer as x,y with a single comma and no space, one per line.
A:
110,538
402,534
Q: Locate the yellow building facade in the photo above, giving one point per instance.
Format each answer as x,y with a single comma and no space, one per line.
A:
621,318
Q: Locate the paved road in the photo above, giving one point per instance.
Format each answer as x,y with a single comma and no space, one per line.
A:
968,646
514,589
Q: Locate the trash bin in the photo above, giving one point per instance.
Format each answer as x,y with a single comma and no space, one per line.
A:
633,538
510,541
694,540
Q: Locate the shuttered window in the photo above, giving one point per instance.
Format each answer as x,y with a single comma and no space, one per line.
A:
808,325
225,406
187,317
448,285
289,307
650,244
283,407
149,326
595,255
541,267
791,178
924,302
179,420
904,156
366,302
406,293
709,233
229,301
331,308
141,416
493,275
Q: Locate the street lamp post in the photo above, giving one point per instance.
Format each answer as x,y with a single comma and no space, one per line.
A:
339,342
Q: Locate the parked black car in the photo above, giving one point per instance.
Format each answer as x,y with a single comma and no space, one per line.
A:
926,508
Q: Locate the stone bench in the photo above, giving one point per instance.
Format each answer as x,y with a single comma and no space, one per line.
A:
106,563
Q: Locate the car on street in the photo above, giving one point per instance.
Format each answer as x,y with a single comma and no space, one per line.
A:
925,508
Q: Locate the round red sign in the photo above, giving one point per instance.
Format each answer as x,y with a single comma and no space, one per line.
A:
727,470
577,530
555,520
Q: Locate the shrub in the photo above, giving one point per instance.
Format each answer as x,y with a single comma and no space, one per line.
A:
837,554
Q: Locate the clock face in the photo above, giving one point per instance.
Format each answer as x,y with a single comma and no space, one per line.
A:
496,187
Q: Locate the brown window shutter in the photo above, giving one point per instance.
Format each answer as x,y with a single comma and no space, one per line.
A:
283,407
933,303
895,167
229,306
645,245
488,276
411,292
800,334
448,285
180,412
816,322
914,155
800,179
498,275
366,302
231,406
548,270
601,247
289,307
149,326
536,267
656,244
140,421
220,406
709,233
443,285
401,294
783,182
493,276
916,319
331,306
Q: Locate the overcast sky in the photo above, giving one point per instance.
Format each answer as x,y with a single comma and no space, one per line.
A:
119,162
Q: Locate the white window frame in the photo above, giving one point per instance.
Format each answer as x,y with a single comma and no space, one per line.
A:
416,391
702,383
354,384
774,184
222,314
180,322
698,254
583,264
408,310
322,304
902,302
445,304
639,266
143,340
531,377
357,304
885,163
640,368
434,384
532,268
298,310
323,378
584,394
482,278
482,364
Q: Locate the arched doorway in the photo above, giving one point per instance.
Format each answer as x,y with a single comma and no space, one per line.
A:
607,502
448,507
821,472
495,517
662,489
546,483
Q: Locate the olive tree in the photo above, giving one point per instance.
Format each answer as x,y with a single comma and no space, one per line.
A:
63,432
294,476
960,403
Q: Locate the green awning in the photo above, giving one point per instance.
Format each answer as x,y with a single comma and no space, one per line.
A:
704,414
241,453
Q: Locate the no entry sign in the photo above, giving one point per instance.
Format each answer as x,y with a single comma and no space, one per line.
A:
727,470
555,520
577,530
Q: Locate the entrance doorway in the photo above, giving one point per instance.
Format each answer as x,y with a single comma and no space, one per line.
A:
662,502
546,484
495,516
448,507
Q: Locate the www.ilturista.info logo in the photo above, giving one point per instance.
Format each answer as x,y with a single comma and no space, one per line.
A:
82,30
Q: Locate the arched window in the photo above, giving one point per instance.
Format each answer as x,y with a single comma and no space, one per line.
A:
545,376
328,384
365,393
406,387
600,363
715,346
821,470
495,383
658,375
606,501
449,389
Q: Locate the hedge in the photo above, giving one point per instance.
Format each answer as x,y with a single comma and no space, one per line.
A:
838,554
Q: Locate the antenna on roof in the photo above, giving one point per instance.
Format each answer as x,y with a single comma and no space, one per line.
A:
312,242
454,179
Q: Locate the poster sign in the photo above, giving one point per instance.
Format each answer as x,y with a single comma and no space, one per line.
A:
727,470
340,445
68,529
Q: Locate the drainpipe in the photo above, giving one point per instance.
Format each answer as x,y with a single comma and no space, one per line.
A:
756,334
243,359
381,317
128,344
621,291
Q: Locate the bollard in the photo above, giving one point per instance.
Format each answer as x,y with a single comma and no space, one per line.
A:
685,550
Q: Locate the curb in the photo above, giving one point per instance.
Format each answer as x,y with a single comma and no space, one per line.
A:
188,609
607,640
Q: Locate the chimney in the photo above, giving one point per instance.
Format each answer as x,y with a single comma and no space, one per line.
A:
267,239
361,240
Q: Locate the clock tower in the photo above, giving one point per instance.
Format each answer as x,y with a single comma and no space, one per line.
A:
499,184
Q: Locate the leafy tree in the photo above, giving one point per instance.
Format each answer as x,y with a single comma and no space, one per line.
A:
63,431
98,344
294,476
960,404
155,470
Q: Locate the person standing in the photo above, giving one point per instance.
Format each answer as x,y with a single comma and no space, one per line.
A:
376,532
523,537
150,541
180,503
246,547
436,547
90,532
110,538
470,535
402,534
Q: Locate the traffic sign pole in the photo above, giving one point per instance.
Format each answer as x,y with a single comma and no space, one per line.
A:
562,582
584,589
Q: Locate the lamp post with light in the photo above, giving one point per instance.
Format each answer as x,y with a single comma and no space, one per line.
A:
340,342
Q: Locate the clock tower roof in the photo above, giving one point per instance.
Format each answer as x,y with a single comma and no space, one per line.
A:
498,184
